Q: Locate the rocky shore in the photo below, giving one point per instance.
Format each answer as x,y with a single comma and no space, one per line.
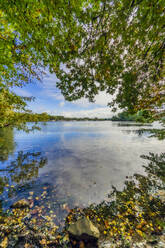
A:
133,217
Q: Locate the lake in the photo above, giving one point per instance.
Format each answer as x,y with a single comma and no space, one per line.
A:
68,164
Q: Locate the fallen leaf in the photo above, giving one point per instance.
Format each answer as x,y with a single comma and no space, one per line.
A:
4,243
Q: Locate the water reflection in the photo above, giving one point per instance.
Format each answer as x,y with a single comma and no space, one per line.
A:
70,164
18,173
136,211
7,144
25,167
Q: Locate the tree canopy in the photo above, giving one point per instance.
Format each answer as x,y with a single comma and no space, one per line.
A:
117,46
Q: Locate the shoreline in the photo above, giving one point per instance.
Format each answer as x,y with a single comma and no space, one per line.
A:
133,217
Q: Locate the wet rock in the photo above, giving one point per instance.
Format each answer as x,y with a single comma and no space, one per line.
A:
21,204
83,233
161,194
84,226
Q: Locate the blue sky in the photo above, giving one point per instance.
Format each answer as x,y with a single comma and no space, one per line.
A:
49,99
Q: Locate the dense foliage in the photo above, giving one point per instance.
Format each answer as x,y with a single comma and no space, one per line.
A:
121,52
9,104
113,46
140,116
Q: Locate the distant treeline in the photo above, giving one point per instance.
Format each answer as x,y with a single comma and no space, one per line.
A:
20,119
35,117
140,116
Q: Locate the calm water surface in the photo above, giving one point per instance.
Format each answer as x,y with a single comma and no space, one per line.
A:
71,163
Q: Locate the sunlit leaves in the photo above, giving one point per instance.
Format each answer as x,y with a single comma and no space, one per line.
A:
92,46
122,53
4,243
10,104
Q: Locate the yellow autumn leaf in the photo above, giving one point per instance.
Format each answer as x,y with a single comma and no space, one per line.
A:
4,243
43,242
26,245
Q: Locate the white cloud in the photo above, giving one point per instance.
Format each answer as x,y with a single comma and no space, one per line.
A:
101,99
103,112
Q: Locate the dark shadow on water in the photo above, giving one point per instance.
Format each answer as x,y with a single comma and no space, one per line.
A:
25,167
19,173
7,144
133,124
